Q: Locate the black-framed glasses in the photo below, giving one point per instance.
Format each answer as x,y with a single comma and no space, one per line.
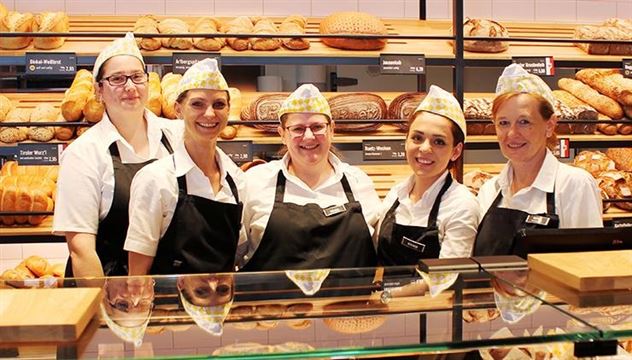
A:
137,78
299,130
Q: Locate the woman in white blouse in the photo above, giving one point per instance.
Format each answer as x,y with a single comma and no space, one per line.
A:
185,209
429,215
534,189
308,210
96,170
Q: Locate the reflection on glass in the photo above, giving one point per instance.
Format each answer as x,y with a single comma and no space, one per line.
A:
437,282
127,305
511,294
309,281
207,299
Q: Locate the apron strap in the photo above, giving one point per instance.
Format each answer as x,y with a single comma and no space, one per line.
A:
233,187
434,212
114,151
166,143
550,202
347,188
280,187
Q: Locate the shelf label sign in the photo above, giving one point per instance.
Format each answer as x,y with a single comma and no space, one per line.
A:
402,64
39,154
51,63
383,150
627,68
563,148
238,151
541,66
182,61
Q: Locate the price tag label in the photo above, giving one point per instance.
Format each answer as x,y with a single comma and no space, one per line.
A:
621,223
39,154
402,64
238,151
627,68
563,148
541,66
181,61
50,63
383,150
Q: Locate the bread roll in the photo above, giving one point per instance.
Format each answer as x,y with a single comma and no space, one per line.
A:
265,26
169,85
294,24
63,133
360,106
38,266
8,200
403,106
59,270
50,22
16,22
175,26
93,110
603,104
265,107
147,25
5,107
628,111
208,25
484,28
353,23
15,134
229,132
239,25
595,162
155,94
43,113
81,130
248,165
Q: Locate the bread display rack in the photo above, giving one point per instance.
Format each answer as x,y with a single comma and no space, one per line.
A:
89,34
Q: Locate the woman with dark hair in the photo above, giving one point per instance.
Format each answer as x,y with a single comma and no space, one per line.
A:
534,189
429,215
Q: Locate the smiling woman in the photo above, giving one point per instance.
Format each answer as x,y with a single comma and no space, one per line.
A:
308,210
185,210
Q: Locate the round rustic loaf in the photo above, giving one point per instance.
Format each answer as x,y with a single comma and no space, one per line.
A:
353,23
403,106
484,28
594,162
265,107
617,185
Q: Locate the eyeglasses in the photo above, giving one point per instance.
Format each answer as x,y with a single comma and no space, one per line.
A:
125,305
299,130
120,79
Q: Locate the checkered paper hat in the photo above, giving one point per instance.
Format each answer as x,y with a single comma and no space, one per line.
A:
441,102
516,79
209,318
132,334
204,74
124,46
306,99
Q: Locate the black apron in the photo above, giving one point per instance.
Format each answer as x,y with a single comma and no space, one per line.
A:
498,231
301,237
112,229
406,244
202,236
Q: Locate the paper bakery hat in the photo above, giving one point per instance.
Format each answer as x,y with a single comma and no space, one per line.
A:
204,74
441,102
123,46
306,99
209,318
516,79
129,329
309,281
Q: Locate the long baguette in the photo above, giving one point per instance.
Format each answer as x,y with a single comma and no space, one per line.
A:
608,82
592,97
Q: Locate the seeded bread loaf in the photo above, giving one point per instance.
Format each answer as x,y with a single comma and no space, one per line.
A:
603,33
353,23
622,158
43,113
592,97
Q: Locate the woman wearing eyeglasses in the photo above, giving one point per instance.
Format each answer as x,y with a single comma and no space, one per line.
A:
96,170
185,209
308,210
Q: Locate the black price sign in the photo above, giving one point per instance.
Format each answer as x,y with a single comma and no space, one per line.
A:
181,62
383,150
563,148
541,66
238,151
402,64
51,63
39,154
621,223
627,68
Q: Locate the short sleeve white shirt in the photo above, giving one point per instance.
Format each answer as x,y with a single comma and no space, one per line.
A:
577,199
154,196
85,186
457,219
261,188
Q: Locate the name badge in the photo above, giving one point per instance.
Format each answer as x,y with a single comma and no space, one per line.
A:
538,220
334,209
412,244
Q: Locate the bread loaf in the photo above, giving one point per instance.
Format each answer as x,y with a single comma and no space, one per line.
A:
235,103
50,22
147,25
11,168
475,179
175,26
265,107
353,23
403,106
81,130
208,25
229,132
43,113
603,33
77,96
63,133
617,185
239,25
358,106
602,184
595,162
93,110
265,26
155,94
484,28
622,158
606,128
15,134
5,107
623,24
294,24
477,109
169,85
603,104
38,266
16,22
609,82
579,111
